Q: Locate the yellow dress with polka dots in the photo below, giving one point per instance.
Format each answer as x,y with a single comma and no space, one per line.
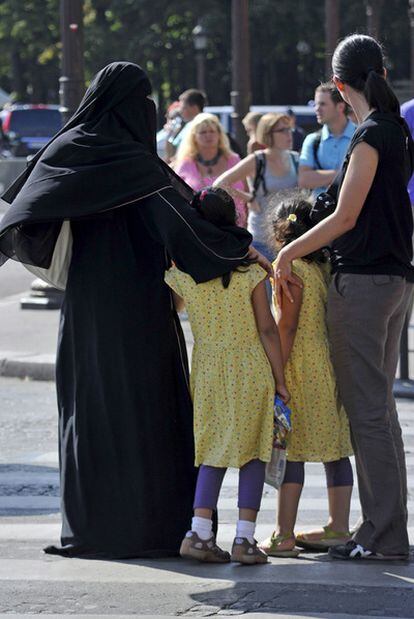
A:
232,383
320,429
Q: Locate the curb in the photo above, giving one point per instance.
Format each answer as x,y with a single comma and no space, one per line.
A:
39,367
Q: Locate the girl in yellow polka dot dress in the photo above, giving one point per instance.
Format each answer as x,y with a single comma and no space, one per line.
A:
320,430
236,371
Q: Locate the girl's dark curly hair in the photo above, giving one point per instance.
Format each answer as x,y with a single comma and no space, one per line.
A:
216,206
289,220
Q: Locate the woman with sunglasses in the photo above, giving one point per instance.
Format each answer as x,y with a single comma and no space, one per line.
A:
268,172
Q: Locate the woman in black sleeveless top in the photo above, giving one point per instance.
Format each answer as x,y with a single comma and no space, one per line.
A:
370,235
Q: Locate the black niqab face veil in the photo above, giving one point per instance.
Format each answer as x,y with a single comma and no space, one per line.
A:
102,159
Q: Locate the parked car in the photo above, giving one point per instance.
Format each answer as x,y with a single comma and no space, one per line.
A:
25,129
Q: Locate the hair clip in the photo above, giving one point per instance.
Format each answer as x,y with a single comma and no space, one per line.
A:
292,217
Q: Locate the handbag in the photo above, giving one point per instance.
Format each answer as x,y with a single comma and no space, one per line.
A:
324,205
275,469
57,273
326,202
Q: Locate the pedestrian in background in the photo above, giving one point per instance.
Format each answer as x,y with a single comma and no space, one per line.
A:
268,172
320,429
370,233
205,154
250,122
298,134
192,102
236,371
407,112
173,124
323,151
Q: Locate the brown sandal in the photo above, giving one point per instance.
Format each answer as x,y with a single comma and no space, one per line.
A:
245,552
193,547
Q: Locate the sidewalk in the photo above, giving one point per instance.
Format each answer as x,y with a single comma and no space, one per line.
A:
28,340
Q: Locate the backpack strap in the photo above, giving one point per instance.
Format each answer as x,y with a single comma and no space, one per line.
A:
295,160
315,145
259,179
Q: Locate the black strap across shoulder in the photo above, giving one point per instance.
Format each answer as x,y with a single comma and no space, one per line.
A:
295,160
316,144
259,179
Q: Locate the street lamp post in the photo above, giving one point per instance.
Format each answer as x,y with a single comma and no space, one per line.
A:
303,48
373,13
72,83
331,32
200,46
240,95
71,89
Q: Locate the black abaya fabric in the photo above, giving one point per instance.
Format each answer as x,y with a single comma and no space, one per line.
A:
125,415
125,412
125,422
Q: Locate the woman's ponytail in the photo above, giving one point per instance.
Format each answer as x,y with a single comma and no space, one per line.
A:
379,94
358,61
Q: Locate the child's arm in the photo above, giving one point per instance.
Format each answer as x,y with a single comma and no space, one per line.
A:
288,319
269,336
171,281
179,302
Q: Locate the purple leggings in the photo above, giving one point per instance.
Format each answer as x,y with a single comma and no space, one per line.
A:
338,473
251,480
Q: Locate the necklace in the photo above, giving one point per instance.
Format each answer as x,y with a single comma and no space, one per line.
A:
209,163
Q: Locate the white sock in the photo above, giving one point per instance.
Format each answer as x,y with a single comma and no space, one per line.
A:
245,528
202,526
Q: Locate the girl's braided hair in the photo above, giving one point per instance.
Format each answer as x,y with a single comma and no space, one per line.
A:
215,205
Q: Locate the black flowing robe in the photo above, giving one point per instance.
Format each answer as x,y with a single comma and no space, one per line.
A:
125,414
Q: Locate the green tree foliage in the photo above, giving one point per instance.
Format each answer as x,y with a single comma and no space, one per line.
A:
158,36
29,48
287,44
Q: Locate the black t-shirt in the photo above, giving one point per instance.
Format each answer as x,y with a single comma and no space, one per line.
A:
381,241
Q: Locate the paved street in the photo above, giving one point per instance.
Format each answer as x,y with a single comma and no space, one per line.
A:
31,582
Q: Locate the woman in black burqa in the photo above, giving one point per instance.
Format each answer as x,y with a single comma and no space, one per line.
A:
125,417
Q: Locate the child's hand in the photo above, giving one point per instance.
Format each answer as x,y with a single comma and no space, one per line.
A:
282,392
284,277
261,260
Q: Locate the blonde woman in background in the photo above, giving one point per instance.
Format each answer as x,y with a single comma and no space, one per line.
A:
268,172
250,122
204,155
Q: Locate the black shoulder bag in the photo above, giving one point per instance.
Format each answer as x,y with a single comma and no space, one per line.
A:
325,203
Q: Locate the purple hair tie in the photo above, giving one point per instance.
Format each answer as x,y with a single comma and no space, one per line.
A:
203,194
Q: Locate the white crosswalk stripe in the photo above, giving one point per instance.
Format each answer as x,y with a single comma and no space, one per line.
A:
33,488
